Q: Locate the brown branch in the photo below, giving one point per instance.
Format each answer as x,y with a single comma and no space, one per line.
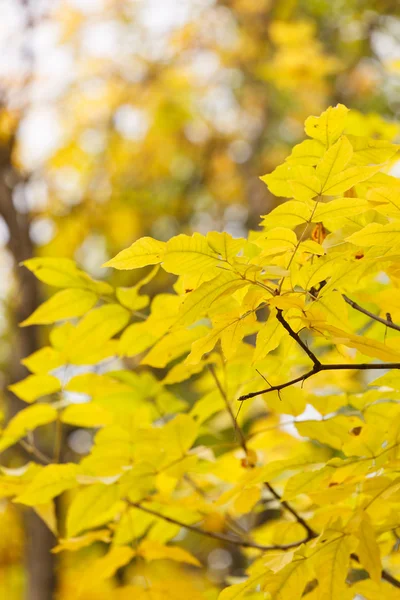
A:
387,322
390,579
31,449
229,408
214,535
296,337
311,534
318,369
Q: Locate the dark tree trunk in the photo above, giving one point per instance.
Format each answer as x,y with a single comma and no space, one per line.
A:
40,563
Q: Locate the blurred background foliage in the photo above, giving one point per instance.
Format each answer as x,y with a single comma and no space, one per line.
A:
123,118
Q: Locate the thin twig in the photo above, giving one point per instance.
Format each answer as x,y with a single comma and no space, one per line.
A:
390,579
214,535
35,452
229,408
387,322
296,337
311,534
318,369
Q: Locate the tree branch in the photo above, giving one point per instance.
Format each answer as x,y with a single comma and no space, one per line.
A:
311,534
366,312
319,368
296,337
390,579
31,449
214,535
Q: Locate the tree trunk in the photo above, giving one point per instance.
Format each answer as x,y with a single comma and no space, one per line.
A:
39,562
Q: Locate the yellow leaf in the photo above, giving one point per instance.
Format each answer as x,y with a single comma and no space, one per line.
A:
172,346
276,241
376,234
289,582
51,481
334,432
92,506
179,435
136,338
371,151
96,385
341,182
152,550
339,208
371,590
365,345
130,297
76,543
47,512
304,183
292,213
185,254
35,386
332,563
106,566
225,245
328,127
368,549
278,181
269,337
198,302
143,252
334,161
87,414
63,272
246,500
26,420
306,482
133,525
63,305
44,360
94,330
229,328
290,401
306,153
